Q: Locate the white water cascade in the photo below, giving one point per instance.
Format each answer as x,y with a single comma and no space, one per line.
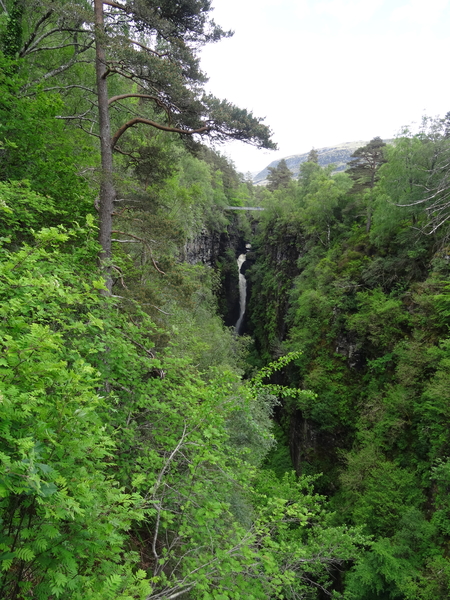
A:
242,293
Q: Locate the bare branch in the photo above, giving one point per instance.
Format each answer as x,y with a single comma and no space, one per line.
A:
145,244
169,460
149,352
33,47
59,69
126,200
186,589
137,120
161,310
80,117
120,275
177,591
36,41
50,48
52,73
159,54
64,88
147,96
155,265
115,5
88,131
131,154
155,536
34,33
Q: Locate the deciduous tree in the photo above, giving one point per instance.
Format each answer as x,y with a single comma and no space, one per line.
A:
424,175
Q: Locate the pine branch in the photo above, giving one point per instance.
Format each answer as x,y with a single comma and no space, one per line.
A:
160,55
115,5
146,96
137,120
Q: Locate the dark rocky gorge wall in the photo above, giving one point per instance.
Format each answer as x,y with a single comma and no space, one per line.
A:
271,268
220,250
266,321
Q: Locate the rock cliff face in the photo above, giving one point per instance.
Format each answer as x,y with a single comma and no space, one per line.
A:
277,262
273,269
210,246
204,249
220,251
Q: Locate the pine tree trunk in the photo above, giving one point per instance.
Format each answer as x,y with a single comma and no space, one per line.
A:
107,191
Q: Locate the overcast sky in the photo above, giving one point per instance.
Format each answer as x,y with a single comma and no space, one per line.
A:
324,72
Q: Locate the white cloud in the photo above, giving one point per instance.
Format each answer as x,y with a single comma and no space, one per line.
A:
420,12
349,13
302,9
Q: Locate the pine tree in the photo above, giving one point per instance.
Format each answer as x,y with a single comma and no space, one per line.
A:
166,71
279,176
366,161
148,51
313,156
363,169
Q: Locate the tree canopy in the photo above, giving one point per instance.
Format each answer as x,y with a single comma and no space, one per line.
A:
367,160
147,452
279,176
147,53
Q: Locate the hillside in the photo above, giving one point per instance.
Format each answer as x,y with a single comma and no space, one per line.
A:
339,155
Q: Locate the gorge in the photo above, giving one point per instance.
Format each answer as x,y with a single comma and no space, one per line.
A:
227,421
242,293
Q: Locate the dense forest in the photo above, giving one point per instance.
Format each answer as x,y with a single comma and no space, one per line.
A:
148,452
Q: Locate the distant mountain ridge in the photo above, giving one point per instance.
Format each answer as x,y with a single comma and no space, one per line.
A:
339,155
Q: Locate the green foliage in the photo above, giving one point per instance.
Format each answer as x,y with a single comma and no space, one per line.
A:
64,516
35,147
432,408
363,296
279,176
404,567
276,389
382,319
300,534
23,211
382,574
379,492
322,199
135,462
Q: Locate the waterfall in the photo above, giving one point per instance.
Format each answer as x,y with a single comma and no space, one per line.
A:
242,293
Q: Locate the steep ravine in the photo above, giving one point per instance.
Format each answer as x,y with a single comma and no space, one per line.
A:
220,250
269,270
